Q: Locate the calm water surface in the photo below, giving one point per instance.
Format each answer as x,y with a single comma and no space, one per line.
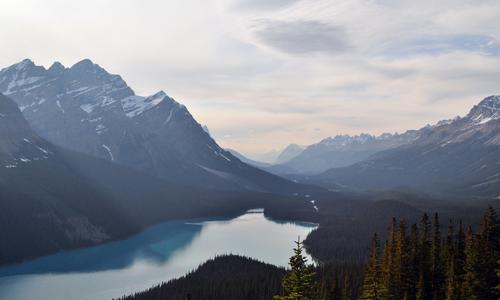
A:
162,252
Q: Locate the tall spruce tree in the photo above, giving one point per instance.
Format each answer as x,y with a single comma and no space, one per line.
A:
437,276
298,282
488,253
470,277
424,291
451,288
391,283
372,282
401,262
413,262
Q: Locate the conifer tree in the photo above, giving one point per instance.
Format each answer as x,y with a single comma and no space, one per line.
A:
372,283
298,282
449,258
452,290
413,263
391,284
437,277
487,255
470,278
401,261
460,254
346,288
424,283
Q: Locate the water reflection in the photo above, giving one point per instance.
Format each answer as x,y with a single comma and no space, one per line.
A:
160,253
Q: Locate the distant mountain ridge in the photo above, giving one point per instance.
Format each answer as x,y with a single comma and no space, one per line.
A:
86,109
340,151
461,155
243,158
291,151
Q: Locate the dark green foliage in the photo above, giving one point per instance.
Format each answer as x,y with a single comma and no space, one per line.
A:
298,282
223,278
437,276
372,284
426,266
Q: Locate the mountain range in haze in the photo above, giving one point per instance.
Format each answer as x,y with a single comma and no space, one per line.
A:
460,156
86,109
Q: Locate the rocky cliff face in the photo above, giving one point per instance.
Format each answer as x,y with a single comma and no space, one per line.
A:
86,109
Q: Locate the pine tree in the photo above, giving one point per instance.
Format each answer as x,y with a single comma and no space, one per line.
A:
488,254
470,277
401,261
451,274
449,246
335,293
424,283
346,288
391,284
452,291
460,254
372,283
298,282
437,277
413,262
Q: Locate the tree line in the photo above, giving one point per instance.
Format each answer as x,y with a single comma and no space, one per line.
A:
416,263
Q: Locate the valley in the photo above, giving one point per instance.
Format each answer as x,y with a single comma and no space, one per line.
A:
109,193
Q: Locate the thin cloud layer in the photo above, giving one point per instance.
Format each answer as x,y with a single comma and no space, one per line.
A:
263,74
300,37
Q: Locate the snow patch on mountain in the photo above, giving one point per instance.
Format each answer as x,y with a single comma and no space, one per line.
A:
109,152
136,105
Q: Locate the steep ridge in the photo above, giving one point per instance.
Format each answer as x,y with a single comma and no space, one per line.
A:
460,156
86,109
53,199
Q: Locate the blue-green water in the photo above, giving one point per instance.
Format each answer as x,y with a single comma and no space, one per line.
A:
162,252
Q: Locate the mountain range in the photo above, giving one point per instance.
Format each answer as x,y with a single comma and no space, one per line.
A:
86,109
340,151
461,156
52,198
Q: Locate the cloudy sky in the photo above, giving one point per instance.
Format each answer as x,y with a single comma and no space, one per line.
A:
265,73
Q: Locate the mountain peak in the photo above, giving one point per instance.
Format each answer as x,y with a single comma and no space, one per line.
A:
20,66
56,68
24,64
491,102
86,65
488,109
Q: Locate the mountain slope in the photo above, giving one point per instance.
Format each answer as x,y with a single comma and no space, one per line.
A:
243,158
460,156
52,198
341,151
291,151
86,109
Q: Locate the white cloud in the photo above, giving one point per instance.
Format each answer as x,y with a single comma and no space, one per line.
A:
262,74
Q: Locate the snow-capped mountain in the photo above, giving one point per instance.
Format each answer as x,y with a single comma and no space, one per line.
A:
53,198
461,155
87,109
342,150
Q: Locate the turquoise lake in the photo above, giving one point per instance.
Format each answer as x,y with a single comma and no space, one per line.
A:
160,253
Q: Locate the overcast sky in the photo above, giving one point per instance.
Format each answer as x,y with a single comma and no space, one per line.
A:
265,73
